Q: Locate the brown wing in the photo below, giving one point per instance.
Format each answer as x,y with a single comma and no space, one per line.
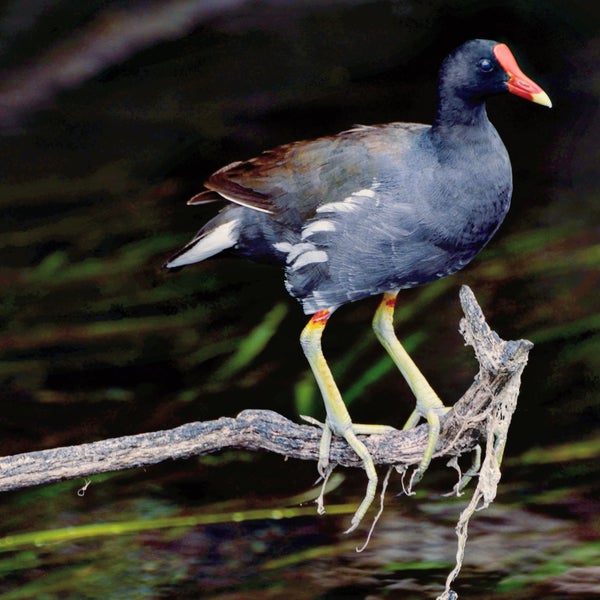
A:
258,182
234,183
300,176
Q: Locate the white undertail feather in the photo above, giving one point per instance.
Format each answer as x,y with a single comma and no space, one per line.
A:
222,237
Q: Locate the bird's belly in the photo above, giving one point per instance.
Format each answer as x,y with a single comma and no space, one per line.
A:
450,246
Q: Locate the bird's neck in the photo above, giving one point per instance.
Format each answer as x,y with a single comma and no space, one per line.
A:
455,114
462,129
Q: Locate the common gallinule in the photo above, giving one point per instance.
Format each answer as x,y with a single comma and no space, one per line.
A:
374,210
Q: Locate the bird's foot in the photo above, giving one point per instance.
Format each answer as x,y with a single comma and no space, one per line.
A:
361,450
323,466
431,409
321,498
349,432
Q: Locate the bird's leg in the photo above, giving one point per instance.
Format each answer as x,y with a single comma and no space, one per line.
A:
429,406
338,419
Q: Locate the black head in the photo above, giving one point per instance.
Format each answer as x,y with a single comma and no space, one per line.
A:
482,68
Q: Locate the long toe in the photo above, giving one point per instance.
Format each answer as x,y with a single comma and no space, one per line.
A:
369,465
433,421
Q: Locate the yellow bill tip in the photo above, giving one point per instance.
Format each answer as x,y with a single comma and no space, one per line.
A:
541,98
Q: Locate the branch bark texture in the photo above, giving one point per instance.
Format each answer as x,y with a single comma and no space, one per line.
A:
500,366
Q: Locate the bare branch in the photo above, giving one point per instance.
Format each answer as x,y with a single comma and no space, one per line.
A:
501,364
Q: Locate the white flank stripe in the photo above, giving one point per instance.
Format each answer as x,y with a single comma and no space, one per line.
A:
349,203
299,249
307,258
284,247
366,193
221,238
317,226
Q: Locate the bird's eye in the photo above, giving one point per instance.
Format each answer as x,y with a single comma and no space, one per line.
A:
486,65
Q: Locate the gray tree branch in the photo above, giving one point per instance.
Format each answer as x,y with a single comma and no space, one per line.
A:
501,363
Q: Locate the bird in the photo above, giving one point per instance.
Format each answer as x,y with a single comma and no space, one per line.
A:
371,211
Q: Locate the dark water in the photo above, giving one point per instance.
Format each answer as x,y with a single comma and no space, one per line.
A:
111,117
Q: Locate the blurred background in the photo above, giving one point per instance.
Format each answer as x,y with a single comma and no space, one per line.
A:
112,114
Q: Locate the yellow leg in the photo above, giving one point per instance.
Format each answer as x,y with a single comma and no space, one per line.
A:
429,406
338,419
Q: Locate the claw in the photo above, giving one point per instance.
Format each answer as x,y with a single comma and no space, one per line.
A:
321,497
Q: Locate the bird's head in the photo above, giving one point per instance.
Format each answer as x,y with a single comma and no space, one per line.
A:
482,68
